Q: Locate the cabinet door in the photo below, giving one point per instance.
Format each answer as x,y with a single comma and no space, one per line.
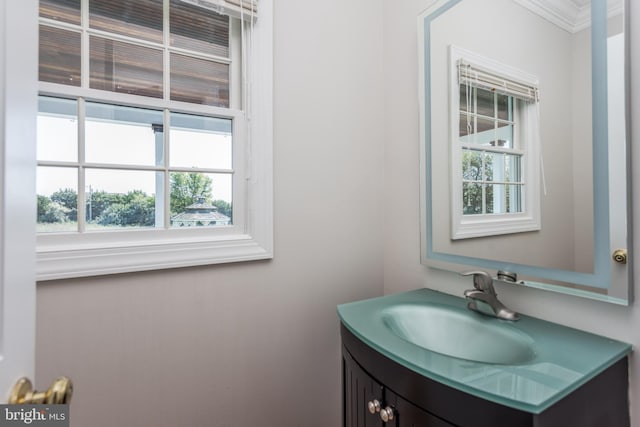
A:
407,414
358,390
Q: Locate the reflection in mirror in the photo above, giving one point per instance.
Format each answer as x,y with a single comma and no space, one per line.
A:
523,120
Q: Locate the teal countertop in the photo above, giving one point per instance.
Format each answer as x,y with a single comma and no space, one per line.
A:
563,359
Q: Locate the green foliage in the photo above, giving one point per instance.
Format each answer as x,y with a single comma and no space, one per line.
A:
188,188
50,211
136,209
223,207
69,199
97,202
472,192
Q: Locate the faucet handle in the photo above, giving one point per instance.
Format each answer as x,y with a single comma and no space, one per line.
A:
482,281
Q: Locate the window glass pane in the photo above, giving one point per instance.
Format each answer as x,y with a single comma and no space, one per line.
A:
485,132
200,199
464,101
123,67
485,125
200,142
141,19
59,56
505,107
57,129
57,194
502,199
61,10
467,125
494,167
472,165
513,171
199,29
124,135
514,198
199,81
486,103
503,136
120,199
494,198
471,198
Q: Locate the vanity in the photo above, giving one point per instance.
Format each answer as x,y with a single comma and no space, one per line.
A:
421,358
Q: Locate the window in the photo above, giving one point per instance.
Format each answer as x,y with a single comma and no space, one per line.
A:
144,134
494,147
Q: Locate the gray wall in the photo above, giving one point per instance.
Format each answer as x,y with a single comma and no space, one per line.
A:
251,344
257,344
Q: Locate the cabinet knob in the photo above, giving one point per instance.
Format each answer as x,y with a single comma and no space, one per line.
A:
374,406
387,414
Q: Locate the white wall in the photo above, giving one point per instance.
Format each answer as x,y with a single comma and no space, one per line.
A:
401,244
252,344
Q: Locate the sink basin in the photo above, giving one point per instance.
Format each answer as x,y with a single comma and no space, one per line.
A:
459,333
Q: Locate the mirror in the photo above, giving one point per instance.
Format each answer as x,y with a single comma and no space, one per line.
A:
525,142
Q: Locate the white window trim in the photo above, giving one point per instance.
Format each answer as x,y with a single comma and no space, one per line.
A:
89,254
470,226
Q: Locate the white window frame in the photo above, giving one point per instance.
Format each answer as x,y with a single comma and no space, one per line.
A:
68,255
482,225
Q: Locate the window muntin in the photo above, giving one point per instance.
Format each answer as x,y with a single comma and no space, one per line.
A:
128,48
495,147
127,161
250,236
492,182
125,169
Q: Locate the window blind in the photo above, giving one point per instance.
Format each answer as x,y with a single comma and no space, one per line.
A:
475,76
234,8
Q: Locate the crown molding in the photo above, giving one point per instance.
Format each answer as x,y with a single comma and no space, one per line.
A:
570,15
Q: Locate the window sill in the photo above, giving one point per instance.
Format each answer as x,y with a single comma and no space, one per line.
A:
82,260
495,225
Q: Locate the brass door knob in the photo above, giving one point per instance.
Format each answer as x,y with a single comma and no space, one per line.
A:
59,393
620,256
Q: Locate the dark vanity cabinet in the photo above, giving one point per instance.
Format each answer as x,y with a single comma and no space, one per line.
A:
367,403
377,391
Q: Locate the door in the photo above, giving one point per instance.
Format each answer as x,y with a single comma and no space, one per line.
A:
359,392
18,109
407,414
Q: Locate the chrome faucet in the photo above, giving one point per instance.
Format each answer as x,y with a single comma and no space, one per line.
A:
485,293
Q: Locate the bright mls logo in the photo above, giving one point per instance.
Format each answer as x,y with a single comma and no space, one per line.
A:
34,415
